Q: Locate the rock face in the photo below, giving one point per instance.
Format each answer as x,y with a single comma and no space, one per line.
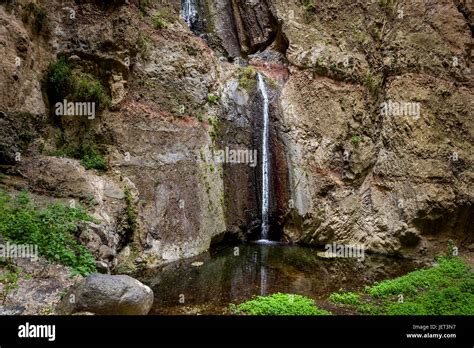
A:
343,170
108,295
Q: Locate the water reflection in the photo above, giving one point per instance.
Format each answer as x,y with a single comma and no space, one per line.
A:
233,277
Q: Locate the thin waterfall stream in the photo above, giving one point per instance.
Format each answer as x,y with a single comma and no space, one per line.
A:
189,12
265,158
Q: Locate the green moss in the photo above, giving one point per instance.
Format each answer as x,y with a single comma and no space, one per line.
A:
51,229
372,82
159,21
130,212
143,44
89,89
278,304
59,80
87,152
356,139
247,77
214,132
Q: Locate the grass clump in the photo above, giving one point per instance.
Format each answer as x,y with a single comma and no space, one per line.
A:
278,304
52,229
349,298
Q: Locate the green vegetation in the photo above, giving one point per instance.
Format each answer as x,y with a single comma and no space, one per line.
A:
59,80
37,16
356,139
309,6
349,298
87,152
89,89
130,212
278,304
143,5
388,6
143,44
444,289
159,21
247,77
213,99
63,82
214,122
371,82
52,229
8,279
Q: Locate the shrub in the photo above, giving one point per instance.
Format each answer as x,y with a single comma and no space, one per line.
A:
62,82
51,229
87,152
278,304
89,89
158,20
92,159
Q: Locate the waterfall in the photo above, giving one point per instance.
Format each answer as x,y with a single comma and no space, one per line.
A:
265,158
189,12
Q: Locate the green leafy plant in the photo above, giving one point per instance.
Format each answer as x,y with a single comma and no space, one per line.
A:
278,304
52,229
247,77
159,21
214,132
59,79
89,89
356,139
349,298
372,82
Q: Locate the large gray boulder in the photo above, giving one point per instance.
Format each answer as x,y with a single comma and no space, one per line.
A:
108,295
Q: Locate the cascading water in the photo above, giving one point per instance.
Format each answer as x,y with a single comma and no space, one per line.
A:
189,12
265,158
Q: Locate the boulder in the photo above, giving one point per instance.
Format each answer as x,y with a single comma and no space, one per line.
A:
108,295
